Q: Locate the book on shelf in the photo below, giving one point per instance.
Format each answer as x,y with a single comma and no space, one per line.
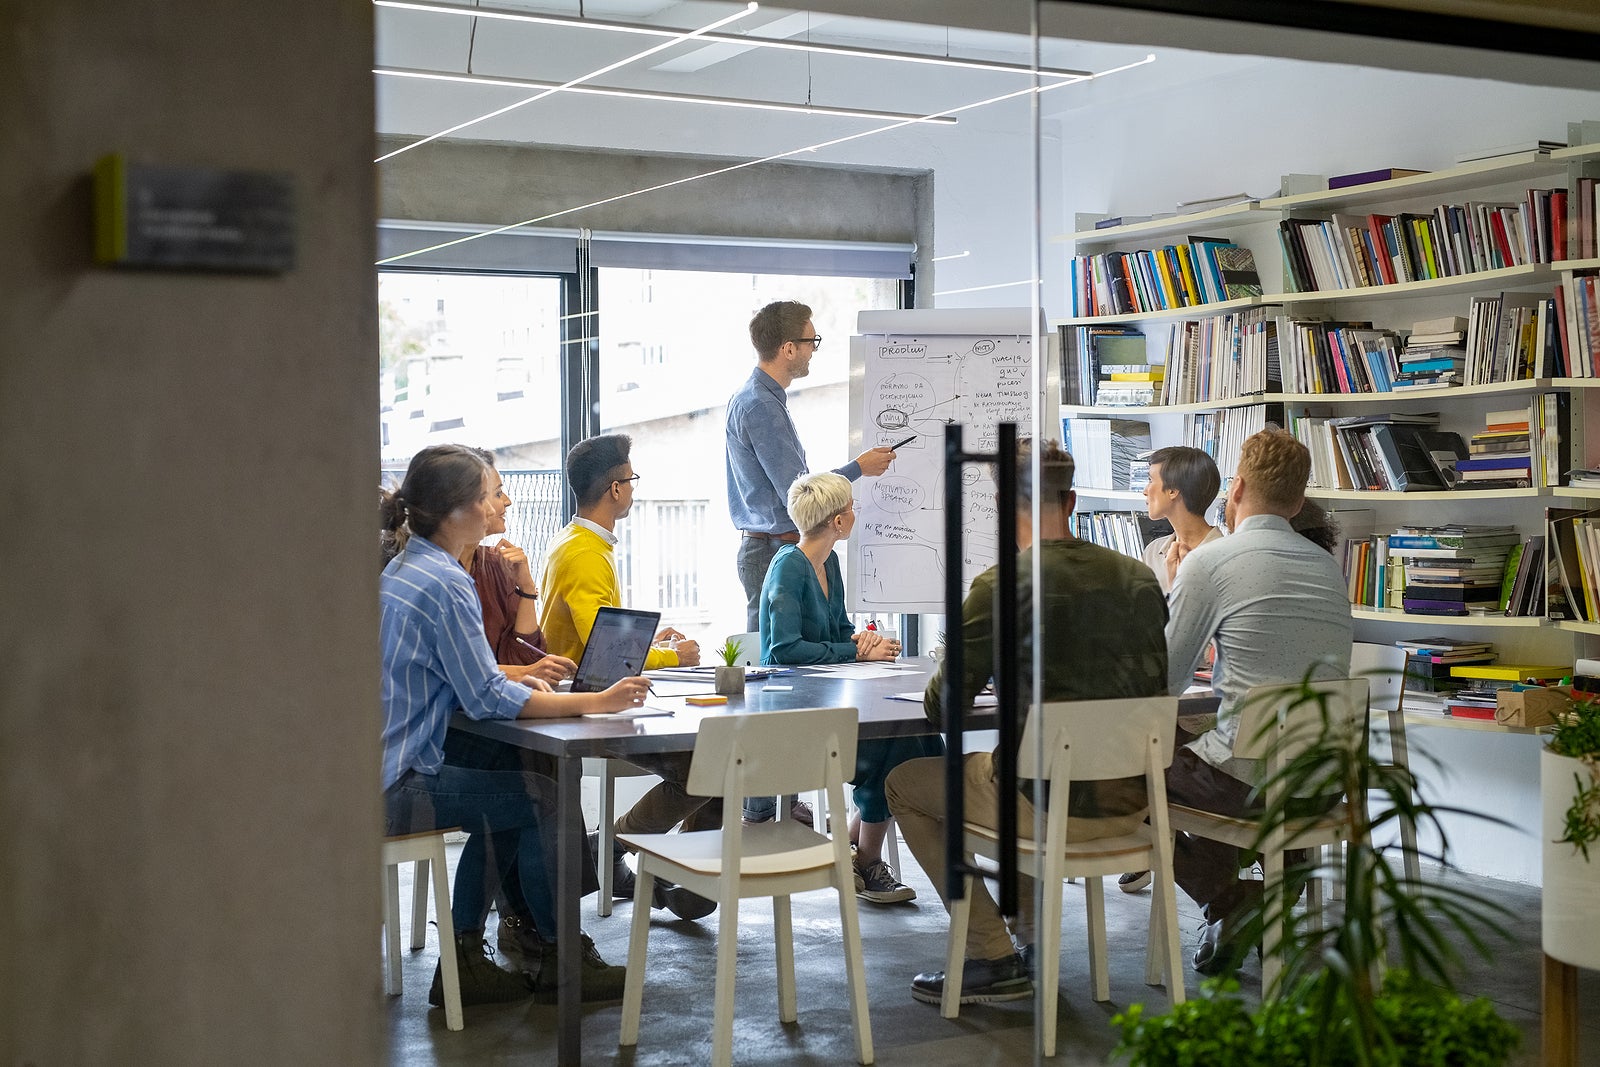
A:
1515,148
1443,648
1526,596
1367,177
1194,207
1454,535
1414,606
1448,325
1104,449
1237,267
1569,589
1513,672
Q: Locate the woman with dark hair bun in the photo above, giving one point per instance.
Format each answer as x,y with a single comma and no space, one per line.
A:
436,662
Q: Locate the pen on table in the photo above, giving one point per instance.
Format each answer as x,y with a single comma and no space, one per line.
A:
902,444
648,685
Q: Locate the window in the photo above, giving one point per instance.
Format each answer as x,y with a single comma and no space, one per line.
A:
674,346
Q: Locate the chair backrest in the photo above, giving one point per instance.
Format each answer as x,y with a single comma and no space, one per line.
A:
749,650
1384,667
1108,737
1287,708
780,752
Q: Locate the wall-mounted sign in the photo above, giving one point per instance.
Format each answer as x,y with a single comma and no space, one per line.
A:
192,218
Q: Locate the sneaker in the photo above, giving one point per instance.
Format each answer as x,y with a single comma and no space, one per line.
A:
622,877
1134,881
982,982
482,980
801,813
876,882
601,982
680,901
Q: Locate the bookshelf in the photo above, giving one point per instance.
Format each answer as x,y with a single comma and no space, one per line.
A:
1506,181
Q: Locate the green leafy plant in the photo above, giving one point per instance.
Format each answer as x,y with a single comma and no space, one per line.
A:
1430,1024
1576,733
1328,1006
730,652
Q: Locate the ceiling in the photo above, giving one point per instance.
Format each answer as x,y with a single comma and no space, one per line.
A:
428,41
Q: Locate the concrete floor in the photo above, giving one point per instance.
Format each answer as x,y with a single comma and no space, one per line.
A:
900,941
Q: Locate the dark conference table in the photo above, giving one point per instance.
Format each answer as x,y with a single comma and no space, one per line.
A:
613,737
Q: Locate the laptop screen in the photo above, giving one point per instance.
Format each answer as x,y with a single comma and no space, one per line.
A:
617,646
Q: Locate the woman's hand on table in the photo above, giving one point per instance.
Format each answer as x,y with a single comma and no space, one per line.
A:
872,645
627,694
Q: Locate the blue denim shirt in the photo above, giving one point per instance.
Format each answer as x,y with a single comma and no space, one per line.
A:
765,457
436,659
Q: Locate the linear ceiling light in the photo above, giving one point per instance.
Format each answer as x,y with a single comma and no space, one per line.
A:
983,288
954,255
647,94
676,37
766,159
727,38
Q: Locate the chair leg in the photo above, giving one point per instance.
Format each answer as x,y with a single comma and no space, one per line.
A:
783,944
854,964
956,951
727,958
607,830
449,977
1164,919
391,929
638,946
1277,916
1048,952
1095,905
419,905
891,846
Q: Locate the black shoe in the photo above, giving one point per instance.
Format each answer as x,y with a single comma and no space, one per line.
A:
1134,881
1221,949
982,982
680,901
1029,956
482,980
601,982
622,877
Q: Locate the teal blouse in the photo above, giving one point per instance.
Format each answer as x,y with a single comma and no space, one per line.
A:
798,624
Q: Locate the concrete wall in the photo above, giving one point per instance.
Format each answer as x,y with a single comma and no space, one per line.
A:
188,665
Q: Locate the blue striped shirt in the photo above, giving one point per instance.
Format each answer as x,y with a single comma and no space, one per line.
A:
436,659
765,456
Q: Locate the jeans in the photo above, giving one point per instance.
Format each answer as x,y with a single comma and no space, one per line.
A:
511,819
755,556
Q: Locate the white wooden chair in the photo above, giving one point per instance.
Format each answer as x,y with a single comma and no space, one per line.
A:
766,753
1384,668
608,771
427,850
1084,741
1266,733
749,651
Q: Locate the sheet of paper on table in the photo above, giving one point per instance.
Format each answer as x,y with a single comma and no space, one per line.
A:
984,700
885,669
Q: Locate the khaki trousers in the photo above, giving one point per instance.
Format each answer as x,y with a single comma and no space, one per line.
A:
916,799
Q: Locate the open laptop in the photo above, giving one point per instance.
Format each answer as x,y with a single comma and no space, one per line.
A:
617,646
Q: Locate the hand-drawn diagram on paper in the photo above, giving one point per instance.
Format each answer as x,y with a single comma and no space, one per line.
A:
915,386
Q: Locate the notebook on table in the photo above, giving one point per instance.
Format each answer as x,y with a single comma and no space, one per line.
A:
618,644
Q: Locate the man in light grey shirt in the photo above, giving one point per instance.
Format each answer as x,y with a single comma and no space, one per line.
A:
1275,605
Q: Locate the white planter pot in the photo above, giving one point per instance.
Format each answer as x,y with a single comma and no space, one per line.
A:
1571,884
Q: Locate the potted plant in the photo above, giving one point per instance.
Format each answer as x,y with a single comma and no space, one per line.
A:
1569,784
1328,1005
730,673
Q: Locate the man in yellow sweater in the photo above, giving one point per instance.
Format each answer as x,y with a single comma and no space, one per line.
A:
580,570
580,578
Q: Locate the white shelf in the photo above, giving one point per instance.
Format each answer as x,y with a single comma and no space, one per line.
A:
1432,718
1091,493
1168,409
1574,626
1193,311
1529,275
1522,167
1458,495
1242,214
1499,622
1449,392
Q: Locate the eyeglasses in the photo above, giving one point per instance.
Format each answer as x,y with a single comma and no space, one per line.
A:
814,342
630,478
